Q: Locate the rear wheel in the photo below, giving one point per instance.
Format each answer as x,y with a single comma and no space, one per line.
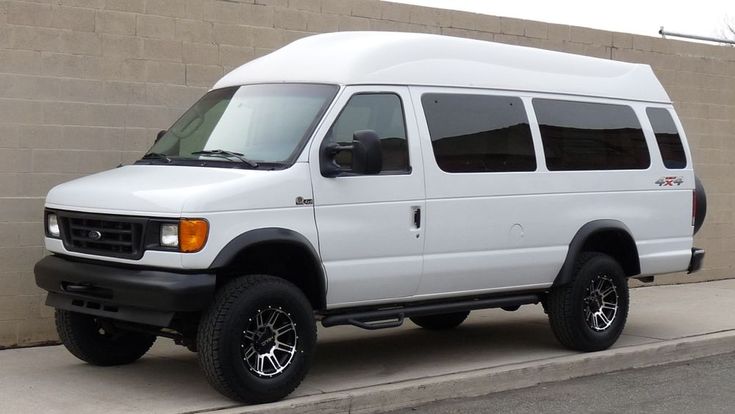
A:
440,322
98,342
589,313
256,340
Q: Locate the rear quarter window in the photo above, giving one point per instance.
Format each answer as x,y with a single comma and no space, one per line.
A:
590,136
667,138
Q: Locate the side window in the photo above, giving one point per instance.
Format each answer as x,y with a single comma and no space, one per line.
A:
667,137
382,113
479,133
590,136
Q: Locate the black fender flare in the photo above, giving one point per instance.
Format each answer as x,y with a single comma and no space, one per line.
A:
272,235
566,273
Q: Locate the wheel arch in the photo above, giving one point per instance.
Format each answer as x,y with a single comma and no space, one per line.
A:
279,252
607,236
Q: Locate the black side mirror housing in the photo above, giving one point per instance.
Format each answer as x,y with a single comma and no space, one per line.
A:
160,134
367,155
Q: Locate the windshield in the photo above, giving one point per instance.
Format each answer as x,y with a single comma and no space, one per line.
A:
245,126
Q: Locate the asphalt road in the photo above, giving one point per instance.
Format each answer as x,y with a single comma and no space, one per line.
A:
700,386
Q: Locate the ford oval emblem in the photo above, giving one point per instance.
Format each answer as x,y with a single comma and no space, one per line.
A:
94,235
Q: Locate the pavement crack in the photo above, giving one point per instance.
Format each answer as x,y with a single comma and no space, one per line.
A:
647,337
212,410
707,333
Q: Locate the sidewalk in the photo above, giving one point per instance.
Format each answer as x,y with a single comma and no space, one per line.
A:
365,371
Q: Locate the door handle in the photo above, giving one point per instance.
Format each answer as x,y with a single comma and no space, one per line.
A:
416,217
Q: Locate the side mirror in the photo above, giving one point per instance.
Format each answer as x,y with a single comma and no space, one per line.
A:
160,134
367,155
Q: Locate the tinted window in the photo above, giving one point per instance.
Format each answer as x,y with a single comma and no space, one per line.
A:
590,136
479,133
667,137
382,113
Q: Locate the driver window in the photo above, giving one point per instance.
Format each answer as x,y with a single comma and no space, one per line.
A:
382,113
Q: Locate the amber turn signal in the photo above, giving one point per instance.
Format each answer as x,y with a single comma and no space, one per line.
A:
192,234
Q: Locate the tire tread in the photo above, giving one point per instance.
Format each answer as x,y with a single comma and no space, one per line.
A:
560,303
210,335
83,344
440,322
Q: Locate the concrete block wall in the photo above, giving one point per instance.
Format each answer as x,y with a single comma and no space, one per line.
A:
86,84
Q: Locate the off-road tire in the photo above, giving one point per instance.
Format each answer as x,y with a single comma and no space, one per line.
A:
565,304
87,339
221,330
440,322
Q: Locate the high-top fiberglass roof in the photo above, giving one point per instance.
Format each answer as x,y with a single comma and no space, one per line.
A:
360,58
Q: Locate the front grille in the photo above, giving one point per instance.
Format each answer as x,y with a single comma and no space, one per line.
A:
116,236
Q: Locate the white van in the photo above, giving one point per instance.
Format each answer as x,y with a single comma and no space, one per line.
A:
364,178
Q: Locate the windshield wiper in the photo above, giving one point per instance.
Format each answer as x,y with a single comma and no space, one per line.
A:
228,154
157,155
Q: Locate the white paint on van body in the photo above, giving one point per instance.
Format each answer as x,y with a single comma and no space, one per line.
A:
234,201
480,232
387,58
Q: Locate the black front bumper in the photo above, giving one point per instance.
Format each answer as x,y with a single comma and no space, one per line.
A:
147,296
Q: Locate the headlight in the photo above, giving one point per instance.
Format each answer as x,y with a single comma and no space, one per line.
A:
52,223
170,235
189,235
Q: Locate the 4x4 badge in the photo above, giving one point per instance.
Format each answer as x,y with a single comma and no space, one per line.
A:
669,181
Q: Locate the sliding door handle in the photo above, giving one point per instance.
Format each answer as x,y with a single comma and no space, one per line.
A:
416,211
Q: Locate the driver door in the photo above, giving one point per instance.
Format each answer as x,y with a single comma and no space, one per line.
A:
371,227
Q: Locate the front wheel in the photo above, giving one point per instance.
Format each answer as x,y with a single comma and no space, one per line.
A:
98,342
257,339
589,313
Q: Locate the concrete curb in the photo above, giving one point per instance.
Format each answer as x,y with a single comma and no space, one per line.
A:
486,381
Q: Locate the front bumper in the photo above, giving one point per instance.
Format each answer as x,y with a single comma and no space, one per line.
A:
695,263
147,296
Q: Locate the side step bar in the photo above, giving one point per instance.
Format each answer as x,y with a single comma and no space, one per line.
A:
393,317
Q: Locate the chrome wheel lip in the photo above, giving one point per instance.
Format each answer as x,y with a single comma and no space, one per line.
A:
271,324
601,303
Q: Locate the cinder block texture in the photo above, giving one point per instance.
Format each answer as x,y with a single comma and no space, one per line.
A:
95,80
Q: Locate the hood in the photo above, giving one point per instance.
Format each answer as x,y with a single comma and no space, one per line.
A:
172,190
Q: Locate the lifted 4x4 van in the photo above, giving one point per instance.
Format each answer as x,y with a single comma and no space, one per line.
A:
365,178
